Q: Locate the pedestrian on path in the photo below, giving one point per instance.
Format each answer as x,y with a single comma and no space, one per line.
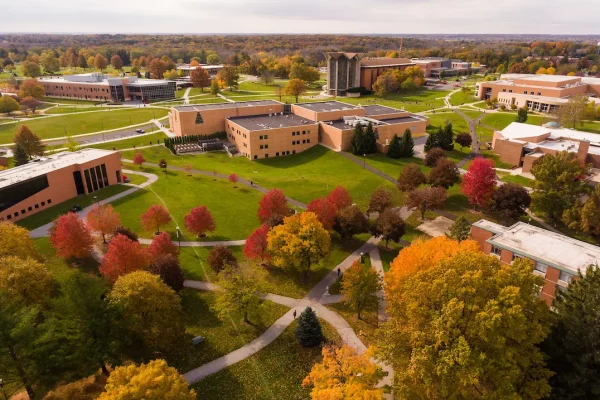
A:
339,272
251,184
294,314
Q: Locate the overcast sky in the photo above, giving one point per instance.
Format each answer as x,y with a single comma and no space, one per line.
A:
302,16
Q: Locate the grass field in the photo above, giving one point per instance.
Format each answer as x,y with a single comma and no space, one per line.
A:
234,209
57,100
221,337
81,123
421,100
393,167
302,176
51,213
275,372
438,120
500,121
460,98
59,268
521,180
77,109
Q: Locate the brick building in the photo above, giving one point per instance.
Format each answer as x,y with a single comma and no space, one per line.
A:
557,258
47,181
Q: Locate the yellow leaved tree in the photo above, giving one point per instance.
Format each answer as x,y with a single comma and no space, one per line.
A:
15,241
152,381
344,374
26,279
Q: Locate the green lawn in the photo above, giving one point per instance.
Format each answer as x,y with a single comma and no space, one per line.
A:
366,328
417,101
391,166
275,372
438,120
58,100
521,180
234,209
81,123
51,213
137,141
77,109
460,98
221,337
500,121
303,176
136,179
59,268
258,86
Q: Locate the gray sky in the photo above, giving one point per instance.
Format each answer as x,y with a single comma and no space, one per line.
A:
303,16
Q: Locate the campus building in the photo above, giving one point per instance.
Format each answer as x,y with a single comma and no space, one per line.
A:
100,87
186,69
440,67
557,258
47,181
268,128
521,145
543,93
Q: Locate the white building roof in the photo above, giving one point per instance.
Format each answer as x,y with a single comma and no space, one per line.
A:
44,165
517,130
559,251
187,67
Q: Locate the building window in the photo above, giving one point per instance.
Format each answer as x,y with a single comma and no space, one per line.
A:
276,154
260,137
255,157
261,146
266,146
565,277
266,137
49,201
37,206
304,132
304,142
267,155
541,267
307,140
496,250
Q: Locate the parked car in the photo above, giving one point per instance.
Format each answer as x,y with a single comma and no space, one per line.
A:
75,208
140,131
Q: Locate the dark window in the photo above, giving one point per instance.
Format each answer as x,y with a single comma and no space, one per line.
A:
307,140
49,201
99,176
43,203
276,154
78,182
16,214
104,174
37,206
18,192
88,181
29,208
22,211
266,156
94,180
293,151
255,157
9,217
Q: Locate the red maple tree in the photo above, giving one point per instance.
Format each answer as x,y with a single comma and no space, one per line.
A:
123,256
340,198
70,237
256,244
233,178
479,182
155,217
273,208
200,221
161,245
138,158
103,219
324,210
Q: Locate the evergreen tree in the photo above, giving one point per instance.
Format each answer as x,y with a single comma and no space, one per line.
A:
308,331
460,229
356,144
521,115
370,140
408,145
446,137
573,346
20,155
396,149
433,141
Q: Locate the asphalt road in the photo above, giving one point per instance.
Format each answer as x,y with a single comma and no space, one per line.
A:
99,138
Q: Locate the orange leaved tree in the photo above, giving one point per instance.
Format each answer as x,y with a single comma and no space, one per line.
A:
155,217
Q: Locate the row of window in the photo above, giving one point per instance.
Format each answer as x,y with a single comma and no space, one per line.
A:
298,133
264,146
76,96
262,137
29,209
539,266
283,153
295,142
96,178
86,89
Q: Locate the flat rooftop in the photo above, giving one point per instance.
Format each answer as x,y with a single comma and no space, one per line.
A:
148,82
517,130
373,110
262,122
44,165
401,120
557,250
324,106
219,106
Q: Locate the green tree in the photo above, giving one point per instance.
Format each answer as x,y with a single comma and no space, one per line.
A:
356,143
396,149
229,75
360,284
433,141
446,137
49,62
295,87
308,330
460,229
573,346
20,156
214,87
469,327
8,105
240,292
369,140
573,113
31,69
521,115
559,183
408,145
29,141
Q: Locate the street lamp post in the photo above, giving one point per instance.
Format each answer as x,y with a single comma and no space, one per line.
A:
97,201
364,161
2,387
362,257
178,236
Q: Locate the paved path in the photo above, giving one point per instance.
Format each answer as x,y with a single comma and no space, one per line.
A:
472,123
203,244
312,299
186,96
162,128
242,181
44,230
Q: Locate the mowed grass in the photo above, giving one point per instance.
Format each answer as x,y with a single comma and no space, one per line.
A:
460,98
82,123
275,372
500,121
285,282
439,120
416,101
129,143
221,336
76,109
51,213
60,269
303,176
234,209
58,100
391,166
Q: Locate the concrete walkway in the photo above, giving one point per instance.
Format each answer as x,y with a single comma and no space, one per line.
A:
162,128
186,96
313,299
202,244
44,230
241,181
